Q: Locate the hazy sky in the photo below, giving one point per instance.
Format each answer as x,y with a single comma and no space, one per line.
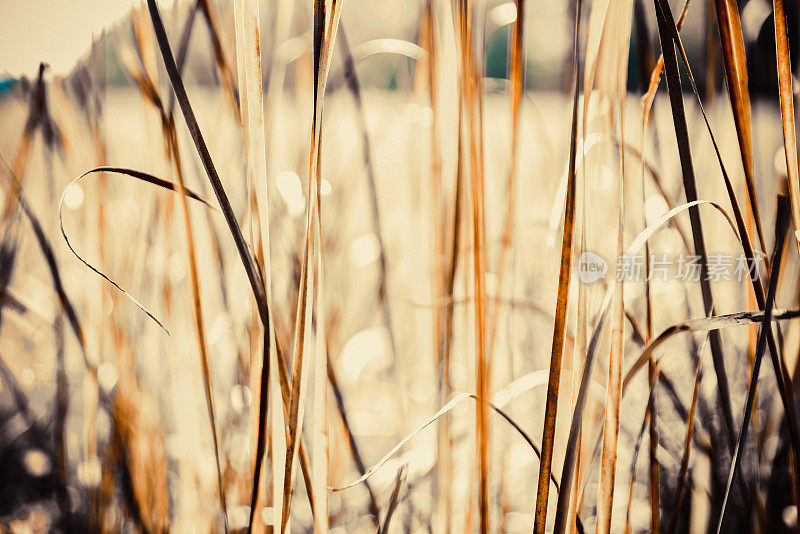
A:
55,31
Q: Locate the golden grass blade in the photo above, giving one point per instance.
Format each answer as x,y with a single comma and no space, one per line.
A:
150,93
517,82
427,91
559,329
319,454
613,396
517,89
471,91
646,64
326,23
594,37
571,455
280,431
787,109
608,462
251,96
248,44
299,375
198,317
611,80
260,415
733,55
173,157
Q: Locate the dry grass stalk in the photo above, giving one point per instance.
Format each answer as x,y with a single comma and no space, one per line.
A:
248,44
787,109
559,330
733,55
326,23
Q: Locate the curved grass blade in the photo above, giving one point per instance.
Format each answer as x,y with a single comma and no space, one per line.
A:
454,402
145,177
715,322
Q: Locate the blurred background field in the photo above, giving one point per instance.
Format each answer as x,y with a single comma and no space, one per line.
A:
110,432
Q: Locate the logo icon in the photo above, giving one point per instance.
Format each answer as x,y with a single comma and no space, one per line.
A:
591,267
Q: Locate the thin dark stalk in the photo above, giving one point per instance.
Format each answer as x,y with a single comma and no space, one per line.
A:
690,188
351,441
782,226
253,277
